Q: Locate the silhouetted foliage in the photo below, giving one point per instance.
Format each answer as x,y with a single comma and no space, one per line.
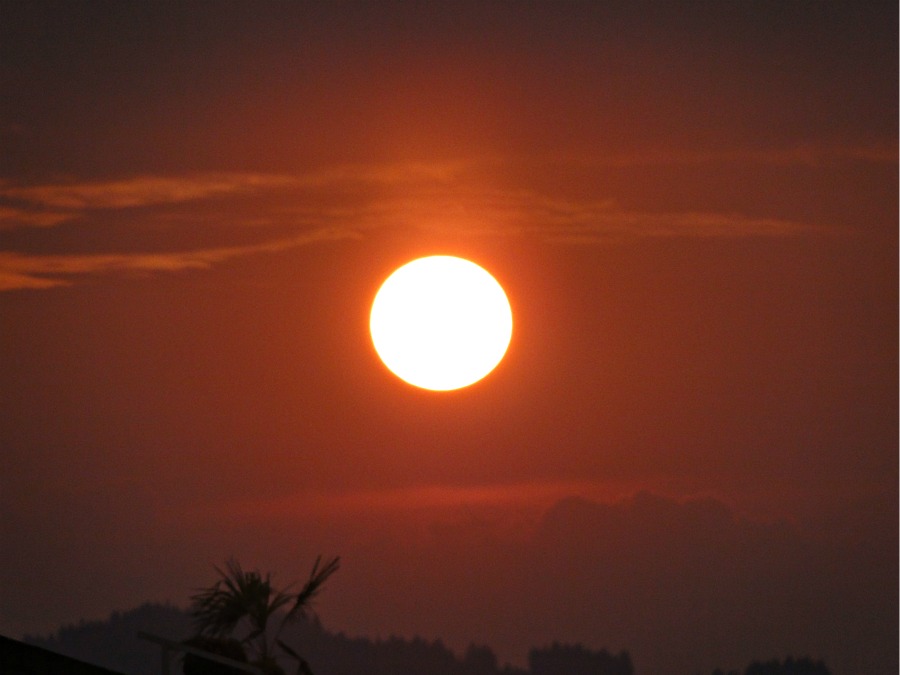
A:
480,660
337,654
576,660
114,645
790,666
248,600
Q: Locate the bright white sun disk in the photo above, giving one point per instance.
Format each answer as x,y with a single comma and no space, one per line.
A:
441,323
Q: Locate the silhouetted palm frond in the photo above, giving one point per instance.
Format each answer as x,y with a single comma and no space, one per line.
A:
218,609
302,665
237,594
313,586
240,595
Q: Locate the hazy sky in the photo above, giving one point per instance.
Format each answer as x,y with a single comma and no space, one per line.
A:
689,451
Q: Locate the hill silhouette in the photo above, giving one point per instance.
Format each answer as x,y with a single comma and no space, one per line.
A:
114,644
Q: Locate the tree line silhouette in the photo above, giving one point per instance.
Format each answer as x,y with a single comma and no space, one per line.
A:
113,644
242,616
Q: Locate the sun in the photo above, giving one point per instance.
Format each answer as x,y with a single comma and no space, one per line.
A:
441,323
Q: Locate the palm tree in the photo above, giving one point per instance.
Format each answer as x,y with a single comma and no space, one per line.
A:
248,599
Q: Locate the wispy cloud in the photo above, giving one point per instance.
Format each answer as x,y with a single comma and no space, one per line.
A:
557,220
582,224
140,191
419,498
45,271
467,198
808,155
155,190
13,217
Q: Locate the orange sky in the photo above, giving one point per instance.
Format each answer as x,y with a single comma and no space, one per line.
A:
693,211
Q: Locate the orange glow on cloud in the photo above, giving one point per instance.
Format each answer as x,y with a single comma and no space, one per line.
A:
424,499
444,199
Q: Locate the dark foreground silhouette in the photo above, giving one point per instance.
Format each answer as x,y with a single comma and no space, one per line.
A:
248,597
114,644
19,658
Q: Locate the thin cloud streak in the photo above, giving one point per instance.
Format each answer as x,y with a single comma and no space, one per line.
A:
336,203
141,191
418,499
23,271
13,217
561,221
811,155
605,226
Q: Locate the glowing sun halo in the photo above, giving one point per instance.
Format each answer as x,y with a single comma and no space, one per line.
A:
441,323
